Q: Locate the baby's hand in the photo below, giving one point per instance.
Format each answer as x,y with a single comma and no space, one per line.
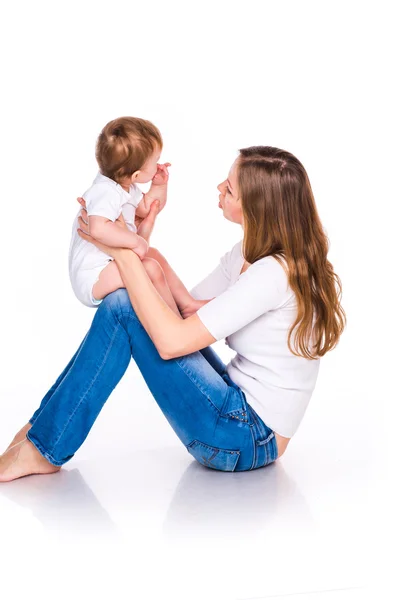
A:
142,248
193,307
162,175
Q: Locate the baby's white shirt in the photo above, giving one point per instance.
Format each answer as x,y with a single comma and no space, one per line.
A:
107,198
104,198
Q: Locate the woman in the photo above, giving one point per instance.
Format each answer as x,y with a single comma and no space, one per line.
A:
276,300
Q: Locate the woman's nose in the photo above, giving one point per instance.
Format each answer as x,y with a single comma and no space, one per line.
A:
219,187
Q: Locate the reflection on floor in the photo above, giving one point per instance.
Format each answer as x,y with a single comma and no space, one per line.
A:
160,522
134,516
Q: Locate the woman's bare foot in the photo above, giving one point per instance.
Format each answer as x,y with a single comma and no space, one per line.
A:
21,435
23,459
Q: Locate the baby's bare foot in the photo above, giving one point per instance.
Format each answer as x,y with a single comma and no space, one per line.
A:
21,435
23,459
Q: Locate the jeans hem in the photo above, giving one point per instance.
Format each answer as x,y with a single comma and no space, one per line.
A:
43,452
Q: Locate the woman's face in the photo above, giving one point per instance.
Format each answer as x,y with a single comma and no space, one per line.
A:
229,199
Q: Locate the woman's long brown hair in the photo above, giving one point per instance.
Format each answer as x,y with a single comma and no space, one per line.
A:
281,220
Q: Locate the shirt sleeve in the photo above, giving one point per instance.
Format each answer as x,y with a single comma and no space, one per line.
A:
136,195
103,201
261,288
218,280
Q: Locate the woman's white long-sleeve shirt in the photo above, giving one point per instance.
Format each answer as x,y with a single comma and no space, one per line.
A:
254,312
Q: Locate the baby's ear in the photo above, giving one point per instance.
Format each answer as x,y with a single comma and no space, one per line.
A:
135,176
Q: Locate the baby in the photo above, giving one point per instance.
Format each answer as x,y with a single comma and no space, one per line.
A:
127,152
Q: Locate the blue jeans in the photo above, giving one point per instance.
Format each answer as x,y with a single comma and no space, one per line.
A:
206,409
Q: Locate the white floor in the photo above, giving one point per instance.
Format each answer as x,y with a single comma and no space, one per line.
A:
133,516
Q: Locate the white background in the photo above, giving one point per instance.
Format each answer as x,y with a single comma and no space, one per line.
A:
315,78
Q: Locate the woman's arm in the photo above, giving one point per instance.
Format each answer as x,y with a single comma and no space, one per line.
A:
171,335
262,287
164,327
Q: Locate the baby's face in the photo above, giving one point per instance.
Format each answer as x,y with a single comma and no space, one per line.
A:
149,168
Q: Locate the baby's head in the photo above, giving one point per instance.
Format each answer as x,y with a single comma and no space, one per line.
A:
128,150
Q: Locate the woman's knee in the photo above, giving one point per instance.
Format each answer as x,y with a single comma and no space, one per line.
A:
117,301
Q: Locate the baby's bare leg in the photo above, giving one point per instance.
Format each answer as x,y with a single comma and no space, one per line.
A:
110,280
179,292
157,276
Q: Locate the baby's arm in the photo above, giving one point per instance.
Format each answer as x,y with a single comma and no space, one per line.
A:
109,233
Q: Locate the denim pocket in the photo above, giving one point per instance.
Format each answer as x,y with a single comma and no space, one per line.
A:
235,406
215,458
267,450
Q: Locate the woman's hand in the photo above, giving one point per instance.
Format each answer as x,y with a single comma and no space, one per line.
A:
193,307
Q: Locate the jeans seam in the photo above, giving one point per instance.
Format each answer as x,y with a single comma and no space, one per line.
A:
212,447
43,452
134,318
269,438
216,450
177,361
197,386
266,444
238,414
260,434
90,385
234,414
253,462
57,383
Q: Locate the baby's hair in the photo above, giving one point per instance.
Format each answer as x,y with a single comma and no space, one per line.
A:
124,145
